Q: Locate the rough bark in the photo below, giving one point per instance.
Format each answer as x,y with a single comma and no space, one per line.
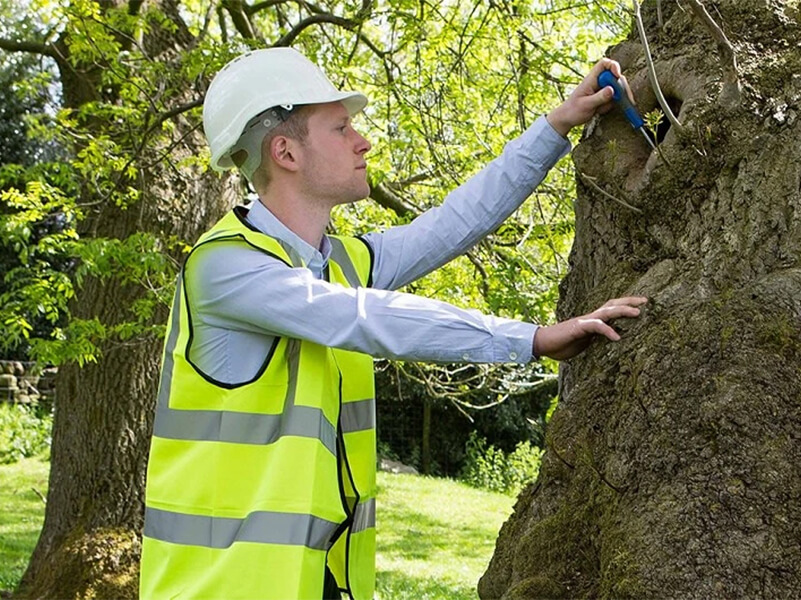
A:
90,543
673,463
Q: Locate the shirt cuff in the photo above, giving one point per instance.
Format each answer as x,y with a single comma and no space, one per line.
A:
513,342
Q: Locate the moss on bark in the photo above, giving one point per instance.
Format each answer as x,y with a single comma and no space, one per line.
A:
103,563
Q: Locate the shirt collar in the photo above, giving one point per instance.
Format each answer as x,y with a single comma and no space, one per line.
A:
265,221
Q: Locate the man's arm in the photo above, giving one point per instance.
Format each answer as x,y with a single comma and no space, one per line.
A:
470,212
480,205
236,288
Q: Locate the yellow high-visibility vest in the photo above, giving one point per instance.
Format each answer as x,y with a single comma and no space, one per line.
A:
252,488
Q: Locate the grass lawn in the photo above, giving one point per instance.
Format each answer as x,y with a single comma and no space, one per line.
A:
21,517
435,536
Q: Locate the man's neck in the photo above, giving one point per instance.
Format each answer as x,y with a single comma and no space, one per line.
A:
307,220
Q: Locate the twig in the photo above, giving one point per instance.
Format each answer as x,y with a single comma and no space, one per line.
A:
223,27
652,71
259,6
591,181
662,156
481,271
731,81
241,20
41,496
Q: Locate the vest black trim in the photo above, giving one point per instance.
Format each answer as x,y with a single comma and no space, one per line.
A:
270,353
372,259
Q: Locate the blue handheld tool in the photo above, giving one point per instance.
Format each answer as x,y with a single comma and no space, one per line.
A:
621,98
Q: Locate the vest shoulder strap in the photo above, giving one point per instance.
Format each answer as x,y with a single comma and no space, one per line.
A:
355,257
234,226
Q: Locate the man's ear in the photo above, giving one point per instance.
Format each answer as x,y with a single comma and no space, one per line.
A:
284,152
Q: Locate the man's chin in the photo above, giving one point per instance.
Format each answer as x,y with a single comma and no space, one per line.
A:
356,197
362,194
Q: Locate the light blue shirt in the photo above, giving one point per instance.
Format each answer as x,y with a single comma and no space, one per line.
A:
241,299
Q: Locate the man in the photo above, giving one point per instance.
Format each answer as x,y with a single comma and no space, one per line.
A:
261,481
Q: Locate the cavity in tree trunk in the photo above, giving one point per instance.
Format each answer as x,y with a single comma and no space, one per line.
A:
673,462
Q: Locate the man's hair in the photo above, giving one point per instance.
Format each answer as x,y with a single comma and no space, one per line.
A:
296,126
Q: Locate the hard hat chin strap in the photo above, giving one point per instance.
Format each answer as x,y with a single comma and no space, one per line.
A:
254,133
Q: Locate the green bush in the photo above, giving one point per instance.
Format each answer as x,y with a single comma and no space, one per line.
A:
23,432
492,469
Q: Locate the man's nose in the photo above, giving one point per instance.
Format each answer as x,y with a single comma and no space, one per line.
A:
362,145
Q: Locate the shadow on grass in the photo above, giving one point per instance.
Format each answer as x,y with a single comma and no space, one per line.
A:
420,536
394,585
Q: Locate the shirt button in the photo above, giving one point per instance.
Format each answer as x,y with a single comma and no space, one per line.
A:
465,357
513,355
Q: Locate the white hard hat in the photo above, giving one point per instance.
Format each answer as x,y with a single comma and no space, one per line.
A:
259,80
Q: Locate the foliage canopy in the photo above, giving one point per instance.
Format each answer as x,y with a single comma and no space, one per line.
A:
449,84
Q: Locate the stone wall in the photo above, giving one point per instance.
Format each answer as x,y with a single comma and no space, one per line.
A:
26,382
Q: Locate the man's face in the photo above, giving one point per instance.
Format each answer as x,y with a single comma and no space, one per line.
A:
333,164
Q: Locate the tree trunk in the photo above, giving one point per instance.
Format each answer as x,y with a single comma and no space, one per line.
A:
90,543
673,462
425,455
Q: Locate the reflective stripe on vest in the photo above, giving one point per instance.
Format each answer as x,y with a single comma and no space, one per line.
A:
241,470
262,527
220,532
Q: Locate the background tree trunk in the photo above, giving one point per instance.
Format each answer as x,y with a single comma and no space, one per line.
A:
425,455
673,462
90,543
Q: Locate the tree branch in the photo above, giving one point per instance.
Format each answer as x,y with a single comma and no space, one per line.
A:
481,271
591,182
160,118
174,112
551,56
241,19
223,27
134,6
270,3
652,71
251,10
731,81
31,47
389,199
287,39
